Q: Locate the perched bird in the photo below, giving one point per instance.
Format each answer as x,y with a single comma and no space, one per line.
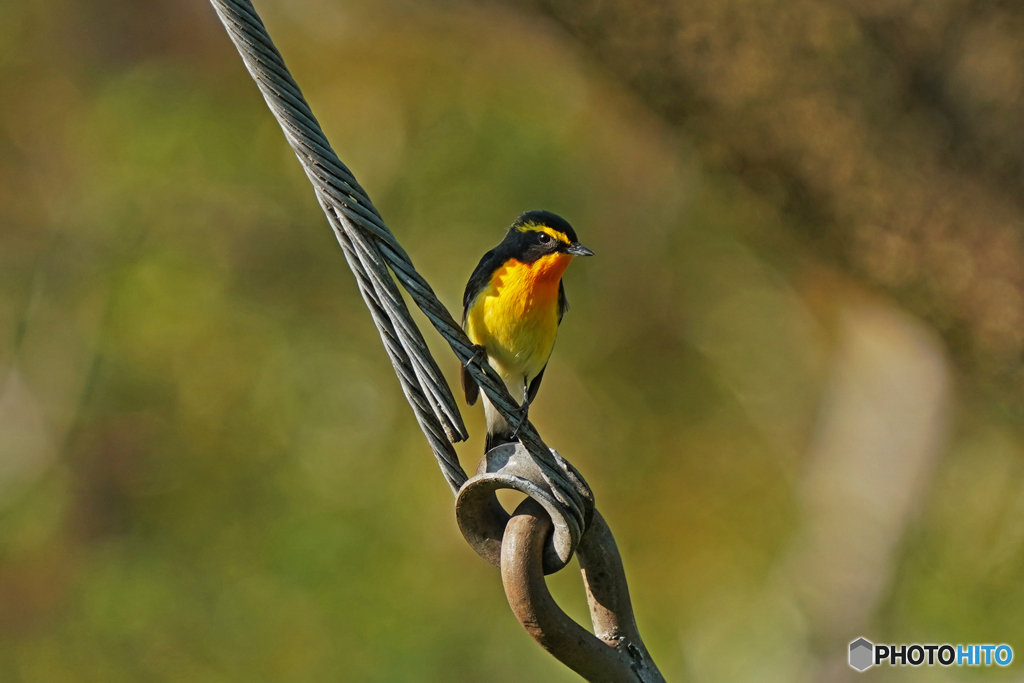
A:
512,307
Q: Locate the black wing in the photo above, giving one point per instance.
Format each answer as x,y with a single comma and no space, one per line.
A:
531,392
563,303
478,281
563,306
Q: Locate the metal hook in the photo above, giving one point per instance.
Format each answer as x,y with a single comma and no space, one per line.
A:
614,653
482,519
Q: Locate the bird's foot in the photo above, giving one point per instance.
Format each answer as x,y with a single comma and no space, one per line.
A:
524,413
524,410
479,355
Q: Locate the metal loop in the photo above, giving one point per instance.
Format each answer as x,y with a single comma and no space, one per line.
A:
482,519
614,653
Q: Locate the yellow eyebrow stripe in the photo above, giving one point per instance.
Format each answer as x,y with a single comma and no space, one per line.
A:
558,235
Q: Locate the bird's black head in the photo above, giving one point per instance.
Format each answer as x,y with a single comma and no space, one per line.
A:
538,233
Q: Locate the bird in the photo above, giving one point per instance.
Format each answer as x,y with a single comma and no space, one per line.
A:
512,308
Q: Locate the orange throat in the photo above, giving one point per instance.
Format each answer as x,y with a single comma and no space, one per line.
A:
516,317
531,286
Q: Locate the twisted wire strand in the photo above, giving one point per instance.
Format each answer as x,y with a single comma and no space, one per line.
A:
439,442
374,254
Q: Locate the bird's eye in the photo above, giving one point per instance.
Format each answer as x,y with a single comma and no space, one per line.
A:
544,238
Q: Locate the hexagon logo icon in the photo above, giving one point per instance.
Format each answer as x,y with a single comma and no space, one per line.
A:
861,654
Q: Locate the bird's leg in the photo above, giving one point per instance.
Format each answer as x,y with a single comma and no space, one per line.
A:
479,355
524,410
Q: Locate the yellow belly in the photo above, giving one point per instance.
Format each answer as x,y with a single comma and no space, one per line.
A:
516,318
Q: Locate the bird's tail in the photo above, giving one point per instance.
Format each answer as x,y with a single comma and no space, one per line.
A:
498,439
499,431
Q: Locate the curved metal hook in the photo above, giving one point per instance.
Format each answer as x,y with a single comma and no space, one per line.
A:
614,653
482,519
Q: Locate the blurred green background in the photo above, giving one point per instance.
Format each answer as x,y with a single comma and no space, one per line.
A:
208,472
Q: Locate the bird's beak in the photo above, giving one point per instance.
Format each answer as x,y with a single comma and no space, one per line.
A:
577,249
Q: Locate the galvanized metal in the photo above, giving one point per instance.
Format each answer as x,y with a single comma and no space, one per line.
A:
482,519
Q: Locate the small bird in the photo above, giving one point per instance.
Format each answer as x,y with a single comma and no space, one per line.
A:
513,305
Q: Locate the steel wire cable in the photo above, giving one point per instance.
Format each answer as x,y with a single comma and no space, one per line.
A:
374,254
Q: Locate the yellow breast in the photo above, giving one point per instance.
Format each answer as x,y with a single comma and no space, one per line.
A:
516,316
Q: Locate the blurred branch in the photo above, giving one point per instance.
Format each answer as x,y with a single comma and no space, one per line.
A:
890,132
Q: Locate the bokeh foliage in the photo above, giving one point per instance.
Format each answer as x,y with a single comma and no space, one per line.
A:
208,471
